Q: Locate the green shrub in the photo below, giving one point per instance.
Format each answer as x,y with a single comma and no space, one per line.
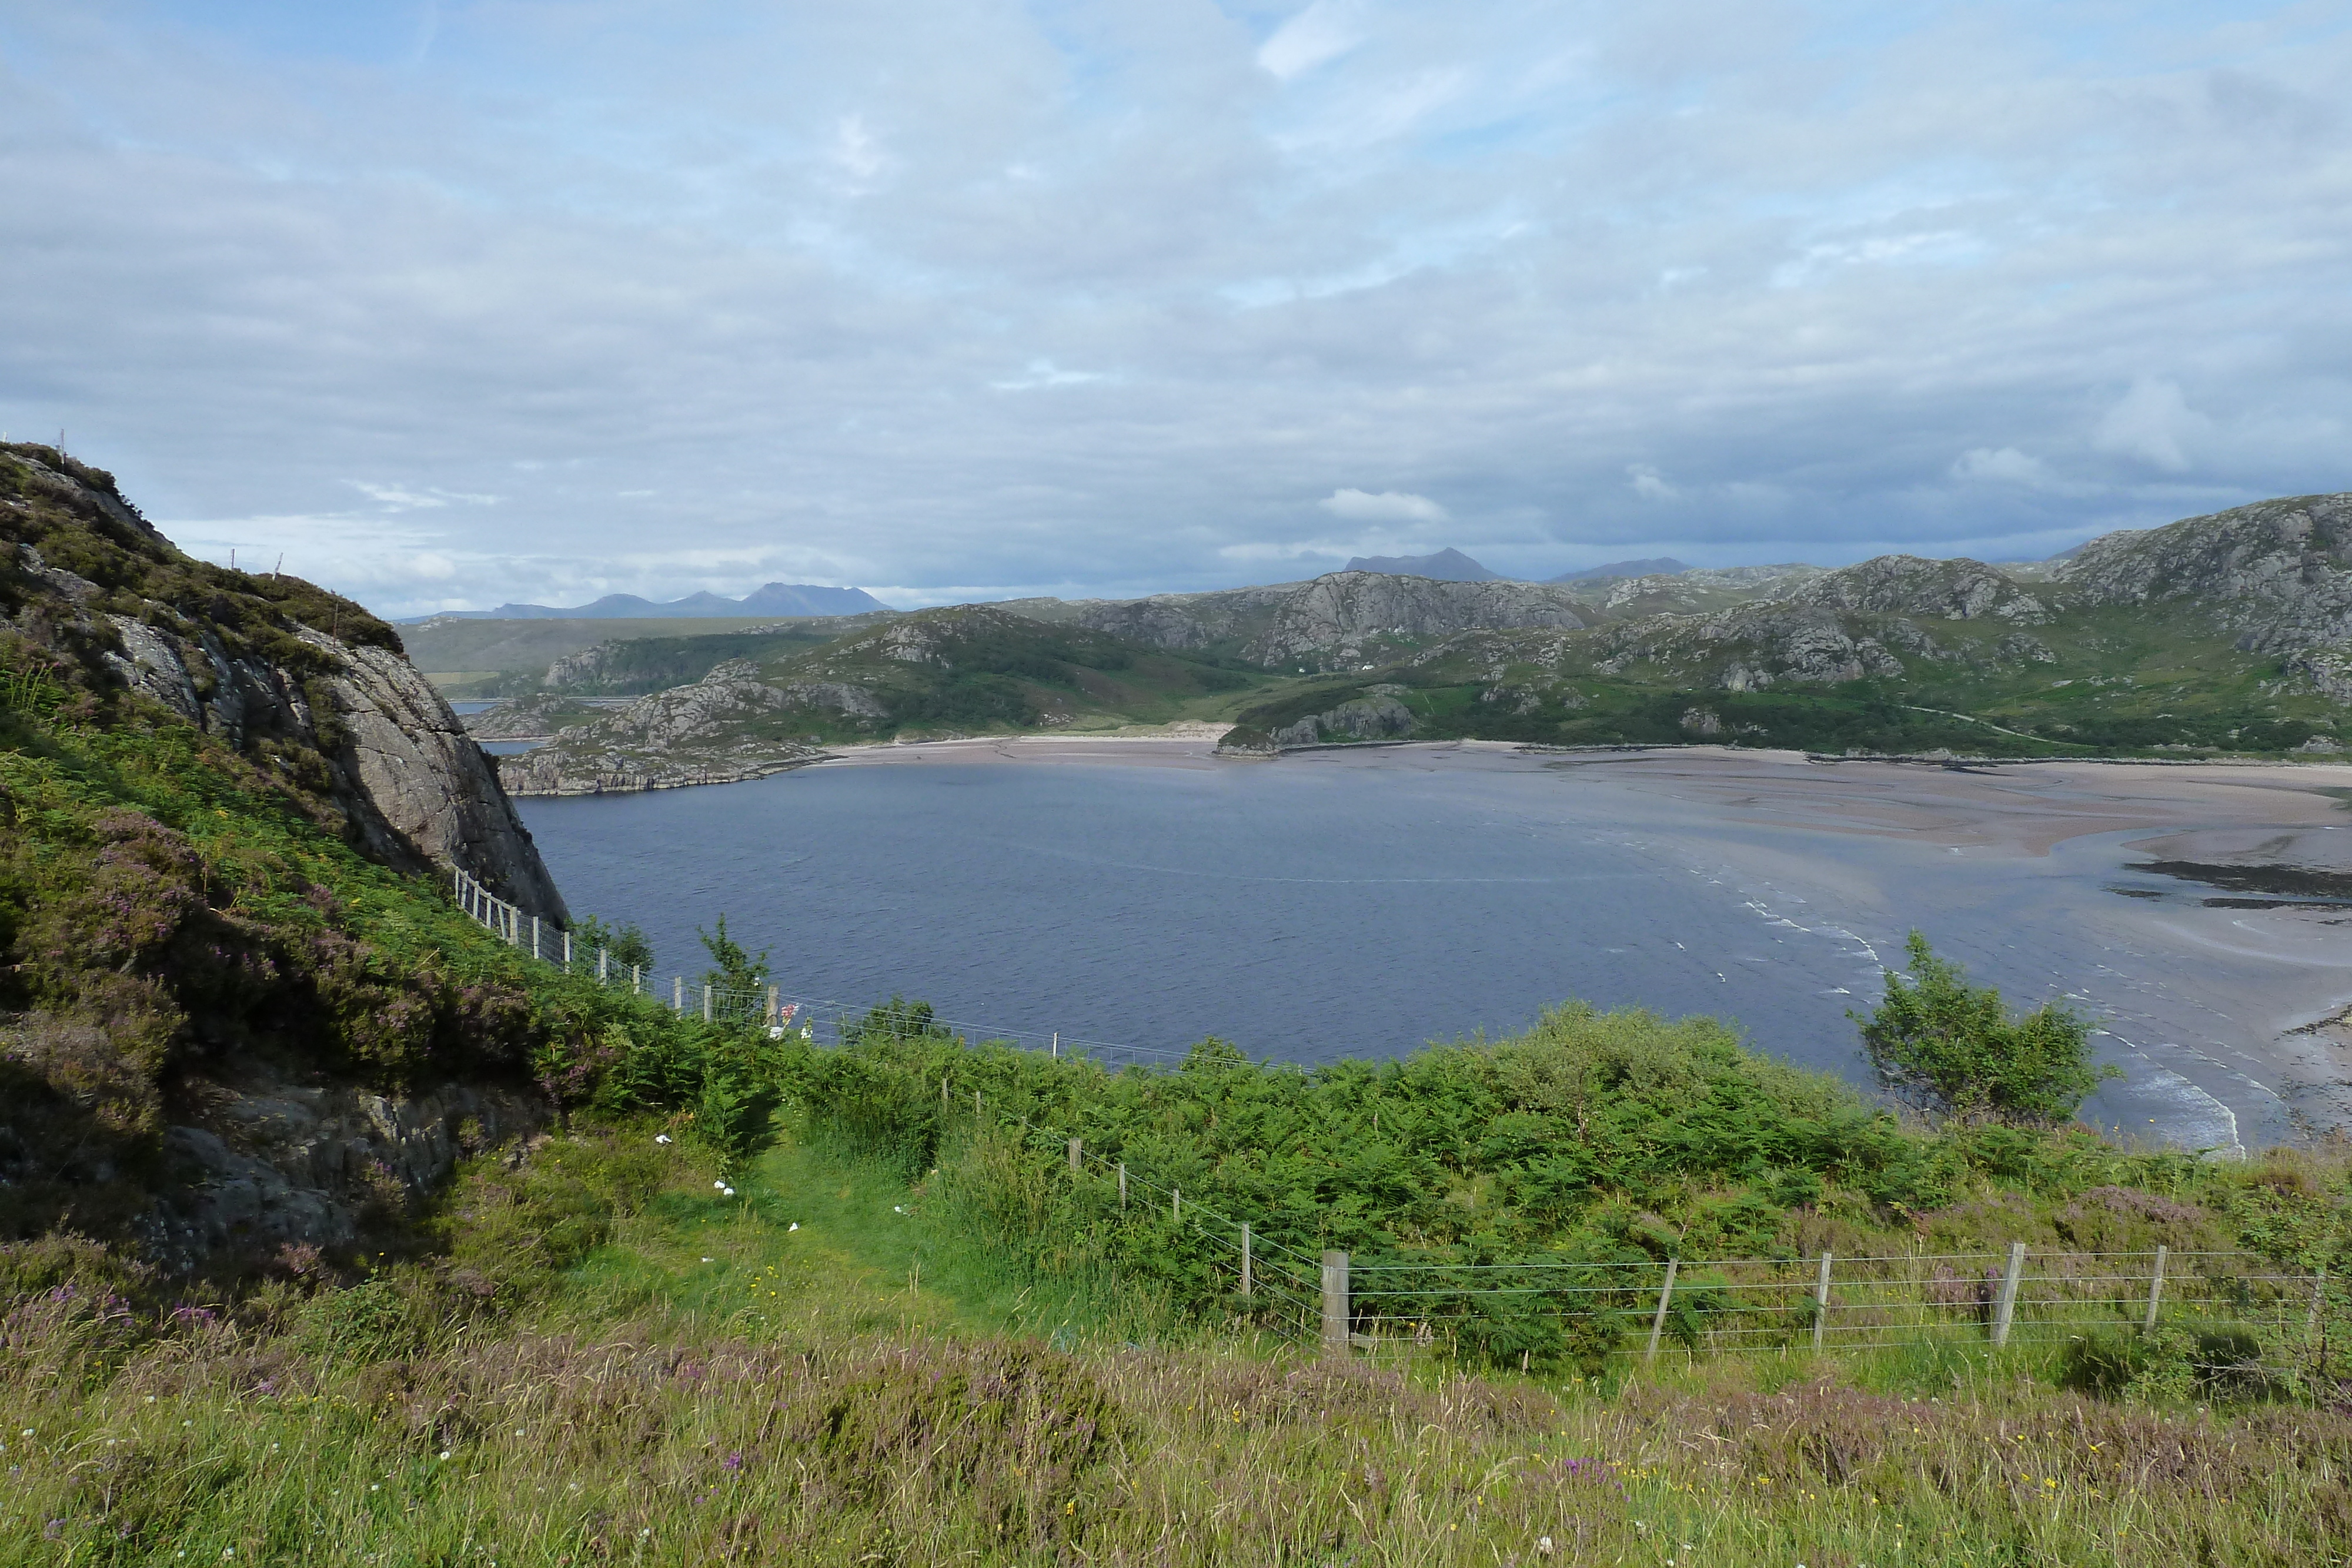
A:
1953,1049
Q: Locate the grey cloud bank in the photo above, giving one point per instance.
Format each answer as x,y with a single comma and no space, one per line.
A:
460,304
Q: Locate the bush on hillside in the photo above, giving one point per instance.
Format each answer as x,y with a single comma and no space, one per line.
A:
1954,1049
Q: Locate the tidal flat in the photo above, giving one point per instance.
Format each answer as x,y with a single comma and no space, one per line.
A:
1363,900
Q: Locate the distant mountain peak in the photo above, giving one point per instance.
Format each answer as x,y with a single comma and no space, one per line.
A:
1654,566
1447,566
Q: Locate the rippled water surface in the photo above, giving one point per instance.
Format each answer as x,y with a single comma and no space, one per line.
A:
1300,913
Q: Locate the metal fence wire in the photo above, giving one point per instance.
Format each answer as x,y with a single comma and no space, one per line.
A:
1635,1305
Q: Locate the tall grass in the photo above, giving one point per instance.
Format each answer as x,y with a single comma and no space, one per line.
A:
651,1442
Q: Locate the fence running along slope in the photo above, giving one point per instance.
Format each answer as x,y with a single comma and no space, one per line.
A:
1631,1306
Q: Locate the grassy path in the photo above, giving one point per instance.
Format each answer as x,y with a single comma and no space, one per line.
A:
810,1246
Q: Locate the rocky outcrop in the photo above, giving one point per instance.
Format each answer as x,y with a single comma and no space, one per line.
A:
1755,646
534,717
1700,590
235,659
1185,621
1375,715
269,1163
437,797
1348,613
722,729
413,782
1955,590
2279,572
1343,617
838,697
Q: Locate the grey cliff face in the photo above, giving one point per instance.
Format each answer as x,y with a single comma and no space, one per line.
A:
435,793
407,776
1764,642
1341,615
1181,621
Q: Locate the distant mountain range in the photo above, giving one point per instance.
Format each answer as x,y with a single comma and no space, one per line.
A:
778,599
1453,566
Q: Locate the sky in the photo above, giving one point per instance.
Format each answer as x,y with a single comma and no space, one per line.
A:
453,302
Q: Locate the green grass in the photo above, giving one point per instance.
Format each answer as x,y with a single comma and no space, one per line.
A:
881,1264
798,1399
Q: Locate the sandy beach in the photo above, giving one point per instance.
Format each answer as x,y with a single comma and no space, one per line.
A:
2219,999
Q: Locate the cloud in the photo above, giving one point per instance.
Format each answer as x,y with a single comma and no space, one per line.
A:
854,150
948,297
1647,483
400,498
1044,373
2151,423
1323,31
2004,465
1386,506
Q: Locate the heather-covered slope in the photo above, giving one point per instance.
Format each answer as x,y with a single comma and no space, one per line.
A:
238,1009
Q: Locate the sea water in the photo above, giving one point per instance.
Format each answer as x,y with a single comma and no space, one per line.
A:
1307,912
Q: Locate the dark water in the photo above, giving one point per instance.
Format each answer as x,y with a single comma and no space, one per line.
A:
1303,914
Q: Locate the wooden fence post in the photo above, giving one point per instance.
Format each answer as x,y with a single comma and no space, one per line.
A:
2318,1293
706,1003
1075,1157
678,993
1658,1319
775,1001
1821,1301
534,938
1335,1303
2004,1311
604,965
1122,1186
1055,1051
1245,1259
567,951
637,979
2155,1289
1176,1204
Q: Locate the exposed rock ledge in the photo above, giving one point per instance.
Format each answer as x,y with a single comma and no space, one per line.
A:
266,1163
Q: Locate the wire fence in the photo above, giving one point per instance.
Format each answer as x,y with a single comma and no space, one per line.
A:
1639,1306
821,1020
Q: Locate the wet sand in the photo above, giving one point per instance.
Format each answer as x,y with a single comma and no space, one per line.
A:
2221,1005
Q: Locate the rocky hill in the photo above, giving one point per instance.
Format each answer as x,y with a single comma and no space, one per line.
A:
304,683
2216,634
236,1008
971,669
2278,573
